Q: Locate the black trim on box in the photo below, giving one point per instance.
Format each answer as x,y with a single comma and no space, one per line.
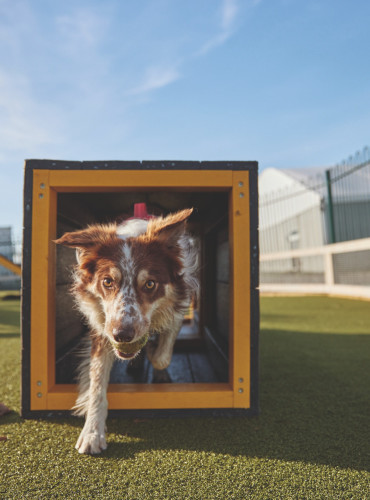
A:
155,413
26,290
33,164
254,276
141,165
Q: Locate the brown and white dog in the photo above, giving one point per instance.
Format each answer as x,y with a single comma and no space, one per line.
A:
131,279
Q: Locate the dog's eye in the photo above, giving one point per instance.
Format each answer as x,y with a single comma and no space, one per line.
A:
108,282
150,284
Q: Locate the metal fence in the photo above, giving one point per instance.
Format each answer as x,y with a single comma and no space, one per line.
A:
329,207
348,198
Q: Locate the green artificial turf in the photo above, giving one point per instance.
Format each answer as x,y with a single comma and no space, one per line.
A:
310,440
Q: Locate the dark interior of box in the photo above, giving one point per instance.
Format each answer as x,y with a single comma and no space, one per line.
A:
201,349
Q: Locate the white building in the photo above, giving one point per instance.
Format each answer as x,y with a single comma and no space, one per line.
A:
290,212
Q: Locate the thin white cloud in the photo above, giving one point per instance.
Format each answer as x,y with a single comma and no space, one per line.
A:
155,78
159,76
214,42
229,11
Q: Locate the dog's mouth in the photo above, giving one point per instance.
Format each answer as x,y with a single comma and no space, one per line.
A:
128,350
123,355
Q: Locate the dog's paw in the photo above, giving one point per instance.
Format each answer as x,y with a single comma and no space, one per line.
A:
159,356
91,443
160,361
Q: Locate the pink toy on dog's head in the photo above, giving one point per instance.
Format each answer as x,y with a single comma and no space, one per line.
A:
140,212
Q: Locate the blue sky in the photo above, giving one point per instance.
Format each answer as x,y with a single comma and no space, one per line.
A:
283,82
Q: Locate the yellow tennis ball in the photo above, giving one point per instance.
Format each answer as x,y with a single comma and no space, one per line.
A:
131,347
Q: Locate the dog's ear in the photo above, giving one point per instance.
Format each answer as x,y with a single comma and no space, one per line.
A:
87,238
170,228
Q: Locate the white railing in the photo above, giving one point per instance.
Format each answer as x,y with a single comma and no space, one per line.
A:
329,286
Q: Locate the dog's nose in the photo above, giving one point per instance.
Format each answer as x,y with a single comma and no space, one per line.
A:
124,335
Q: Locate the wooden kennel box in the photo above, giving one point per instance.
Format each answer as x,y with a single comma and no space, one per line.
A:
215,364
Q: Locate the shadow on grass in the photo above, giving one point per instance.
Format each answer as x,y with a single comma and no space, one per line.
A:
314,409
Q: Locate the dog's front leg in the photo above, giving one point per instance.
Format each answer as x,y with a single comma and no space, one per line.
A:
160,355
92,437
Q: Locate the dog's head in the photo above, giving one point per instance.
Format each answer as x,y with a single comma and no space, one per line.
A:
132,278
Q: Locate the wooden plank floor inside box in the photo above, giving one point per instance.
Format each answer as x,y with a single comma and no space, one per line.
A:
186,367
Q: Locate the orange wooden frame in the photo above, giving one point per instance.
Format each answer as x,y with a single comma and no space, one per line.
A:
8,264
45,393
